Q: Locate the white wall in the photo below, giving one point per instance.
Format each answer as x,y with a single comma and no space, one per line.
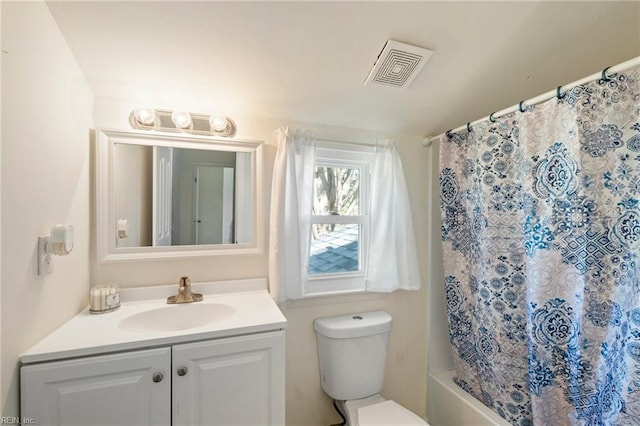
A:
1,56
406,371
47,113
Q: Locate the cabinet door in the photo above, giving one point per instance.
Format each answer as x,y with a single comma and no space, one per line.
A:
234,381
120,389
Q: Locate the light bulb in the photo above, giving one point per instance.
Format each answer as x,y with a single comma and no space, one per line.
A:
218,123
182,120
146,116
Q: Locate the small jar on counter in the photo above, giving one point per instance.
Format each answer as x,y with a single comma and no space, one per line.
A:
104,298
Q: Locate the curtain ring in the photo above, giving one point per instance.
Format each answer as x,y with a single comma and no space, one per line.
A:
469,129
449,134
491,119
559,93
521,106
605,77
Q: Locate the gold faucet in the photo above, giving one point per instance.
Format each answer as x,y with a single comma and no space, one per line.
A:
184,293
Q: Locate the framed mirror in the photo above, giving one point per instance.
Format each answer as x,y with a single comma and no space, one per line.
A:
162,196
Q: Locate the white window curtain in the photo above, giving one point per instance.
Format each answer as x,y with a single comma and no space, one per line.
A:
392,261
291,192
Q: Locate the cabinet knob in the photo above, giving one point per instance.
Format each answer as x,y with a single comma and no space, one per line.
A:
182,371
157,377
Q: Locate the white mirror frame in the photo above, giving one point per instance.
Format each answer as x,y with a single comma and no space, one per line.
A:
105,196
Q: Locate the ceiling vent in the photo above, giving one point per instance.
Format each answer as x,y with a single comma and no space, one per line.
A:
398,64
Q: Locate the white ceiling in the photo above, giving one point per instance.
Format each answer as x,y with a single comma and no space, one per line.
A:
307,61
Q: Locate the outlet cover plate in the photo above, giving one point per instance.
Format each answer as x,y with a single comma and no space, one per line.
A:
45,260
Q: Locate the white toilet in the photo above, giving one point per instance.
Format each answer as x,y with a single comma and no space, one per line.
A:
352,351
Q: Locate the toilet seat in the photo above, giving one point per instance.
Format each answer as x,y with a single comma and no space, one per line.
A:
377,411
387,413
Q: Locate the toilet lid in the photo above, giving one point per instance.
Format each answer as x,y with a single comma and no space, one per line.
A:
387,413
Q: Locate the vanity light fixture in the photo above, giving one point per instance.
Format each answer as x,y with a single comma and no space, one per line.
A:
182,122
59,242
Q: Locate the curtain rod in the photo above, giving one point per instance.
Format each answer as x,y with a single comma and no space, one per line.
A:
366,144
559,92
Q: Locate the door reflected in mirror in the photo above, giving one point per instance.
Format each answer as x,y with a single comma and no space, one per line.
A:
176,196
161,196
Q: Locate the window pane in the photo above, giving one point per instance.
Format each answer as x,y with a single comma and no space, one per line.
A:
334,249
336,191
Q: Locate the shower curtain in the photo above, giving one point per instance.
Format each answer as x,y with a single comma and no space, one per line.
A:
541,238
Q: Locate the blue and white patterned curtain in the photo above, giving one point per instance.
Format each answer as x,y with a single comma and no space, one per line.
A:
541,237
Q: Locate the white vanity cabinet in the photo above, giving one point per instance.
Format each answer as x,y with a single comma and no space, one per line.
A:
227,381
132,388
234,381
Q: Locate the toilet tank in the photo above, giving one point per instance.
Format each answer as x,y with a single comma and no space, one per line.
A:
352,350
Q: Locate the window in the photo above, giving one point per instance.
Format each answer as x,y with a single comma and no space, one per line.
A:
339,220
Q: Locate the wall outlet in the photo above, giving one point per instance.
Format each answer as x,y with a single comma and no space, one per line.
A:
45,260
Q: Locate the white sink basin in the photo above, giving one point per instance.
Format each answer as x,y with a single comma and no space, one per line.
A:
176,317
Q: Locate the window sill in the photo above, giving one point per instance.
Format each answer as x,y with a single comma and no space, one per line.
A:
333,298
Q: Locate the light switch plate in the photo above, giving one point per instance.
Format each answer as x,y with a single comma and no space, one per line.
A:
45,260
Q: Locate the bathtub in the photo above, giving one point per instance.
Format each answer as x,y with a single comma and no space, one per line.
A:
449,405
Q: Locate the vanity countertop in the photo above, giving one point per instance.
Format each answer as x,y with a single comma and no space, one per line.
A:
254,311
